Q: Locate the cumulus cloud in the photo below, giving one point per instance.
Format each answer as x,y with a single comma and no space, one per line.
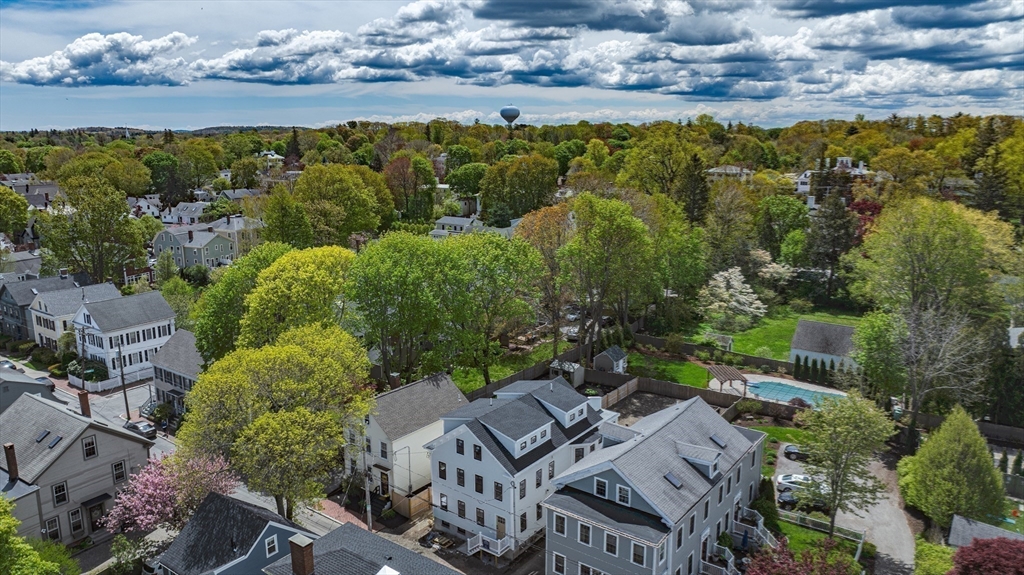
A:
113,59
819,8
949,17
643,16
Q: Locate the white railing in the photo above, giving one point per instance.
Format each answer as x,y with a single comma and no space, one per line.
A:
761,535
496,547
113,382
712,569
822,526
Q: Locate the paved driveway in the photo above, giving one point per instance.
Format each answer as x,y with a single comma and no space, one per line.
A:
884,521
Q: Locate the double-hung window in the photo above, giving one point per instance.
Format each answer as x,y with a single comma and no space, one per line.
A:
499,490
584,534
611,544
119,471
442,470
639,554
623,494
600,488
478,483
460,477
60,493
89,448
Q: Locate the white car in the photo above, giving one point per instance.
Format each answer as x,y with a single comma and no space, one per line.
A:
791,482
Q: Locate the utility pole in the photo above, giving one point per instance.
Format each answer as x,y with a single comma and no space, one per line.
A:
124,388
366,485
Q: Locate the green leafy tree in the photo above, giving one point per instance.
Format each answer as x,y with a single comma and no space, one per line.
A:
301,287
657,163
832,233
878,352
465,180
13,212
149,227
922,252
521,183
729,226
952,473
457,156
793,251
244,173
1004,461
395,284
693,189
566,151
196,164
777,216
597,152
1018,463
337,202
285,220
276,411
165,178
181,297
497,288
547,230
844,433
17,556
218,313
165,268
10,163
53,552
89,230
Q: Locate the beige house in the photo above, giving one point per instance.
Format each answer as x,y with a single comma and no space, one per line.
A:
52,312
62,467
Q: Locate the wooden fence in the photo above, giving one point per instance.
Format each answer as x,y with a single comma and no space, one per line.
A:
606,378
411,506
992,431
620,393
1014,485
751,361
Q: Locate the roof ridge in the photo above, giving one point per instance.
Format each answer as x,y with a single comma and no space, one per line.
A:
440,375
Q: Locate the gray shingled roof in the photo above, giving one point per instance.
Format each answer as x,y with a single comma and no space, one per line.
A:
963,531
27,417
556,392
351,550
199,239
22,293
14,489
516,420
67,301
820,337
646,459
129,311
410,407
222,530
179,354
614,352
25,262
632,522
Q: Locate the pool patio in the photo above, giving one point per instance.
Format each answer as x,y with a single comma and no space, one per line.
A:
806,391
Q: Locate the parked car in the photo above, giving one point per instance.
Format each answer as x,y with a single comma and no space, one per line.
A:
143,428
791,481
790,500
794,453
8,364
48,382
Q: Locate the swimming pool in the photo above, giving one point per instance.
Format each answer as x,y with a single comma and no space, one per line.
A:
783,392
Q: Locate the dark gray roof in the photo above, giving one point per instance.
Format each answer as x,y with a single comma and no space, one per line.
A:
222,530
351,550
30,415
632,522
67,301
476,408
22,293
179,354
516,420
129,311
410,407
614,353
556,392
963,531
646,459
820,337
12,490
25,262
15,384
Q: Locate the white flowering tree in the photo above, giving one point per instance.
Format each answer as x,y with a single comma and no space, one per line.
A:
729,303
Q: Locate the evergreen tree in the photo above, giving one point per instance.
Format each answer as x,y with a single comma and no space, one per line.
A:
832,233
796,368
806,371
1018,463
991,192
292,149
1004,462
814,370
694,190
952,473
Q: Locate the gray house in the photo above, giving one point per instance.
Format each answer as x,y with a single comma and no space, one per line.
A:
16,297
14,383
657,496
826,342
493,466
176,367
963,531
53,311
351,549
193,247
226,536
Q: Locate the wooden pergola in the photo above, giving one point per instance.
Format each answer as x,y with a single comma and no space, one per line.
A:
727,373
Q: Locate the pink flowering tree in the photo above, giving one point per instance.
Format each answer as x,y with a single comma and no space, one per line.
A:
167,491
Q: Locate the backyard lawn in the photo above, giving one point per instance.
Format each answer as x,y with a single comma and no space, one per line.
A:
785,434
775,333
469,379
801,538
1018,522
679,371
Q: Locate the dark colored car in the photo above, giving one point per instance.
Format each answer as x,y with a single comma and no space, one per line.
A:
794,453
143,428
789,500
8,364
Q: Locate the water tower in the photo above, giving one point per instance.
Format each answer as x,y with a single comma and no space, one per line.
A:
509,114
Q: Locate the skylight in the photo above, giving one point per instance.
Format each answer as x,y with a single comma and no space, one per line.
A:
55,441
42,435
675,481
718,440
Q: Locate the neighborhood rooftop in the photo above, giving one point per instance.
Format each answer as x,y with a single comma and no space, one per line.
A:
963,531
407,408
179,354
67,301
129,311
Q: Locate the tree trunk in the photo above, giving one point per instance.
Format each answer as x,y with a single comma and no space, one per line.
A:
486,370
279,499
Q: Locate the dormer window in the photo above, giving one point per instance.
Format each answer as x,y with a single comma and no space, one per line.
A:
572,417
714,469
543,433
623,494
533,440
522,445
579,412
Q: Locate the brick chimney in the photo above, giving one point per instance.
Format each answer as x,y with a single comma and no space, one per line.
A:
12,470
190,236
83,399
46,196
209,229
229,219
301,551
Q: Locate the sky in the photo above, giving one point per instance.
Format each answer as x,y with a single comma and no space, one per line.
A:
189,64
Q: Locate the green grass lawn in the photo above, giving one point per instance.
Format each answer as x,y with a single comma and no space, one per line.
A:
1017,527
785,434
469,379
775,333
801,538
679,371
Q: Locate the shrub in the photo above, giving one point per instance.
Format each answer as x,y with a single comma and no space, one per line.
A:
706,341
732,359
1018,463
766,369
58,371
703,355
718,355
674,344
763,351
765,505
725,540
782,370
43,356
747,406
796,367
25,347
932,559
800,305
388,514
